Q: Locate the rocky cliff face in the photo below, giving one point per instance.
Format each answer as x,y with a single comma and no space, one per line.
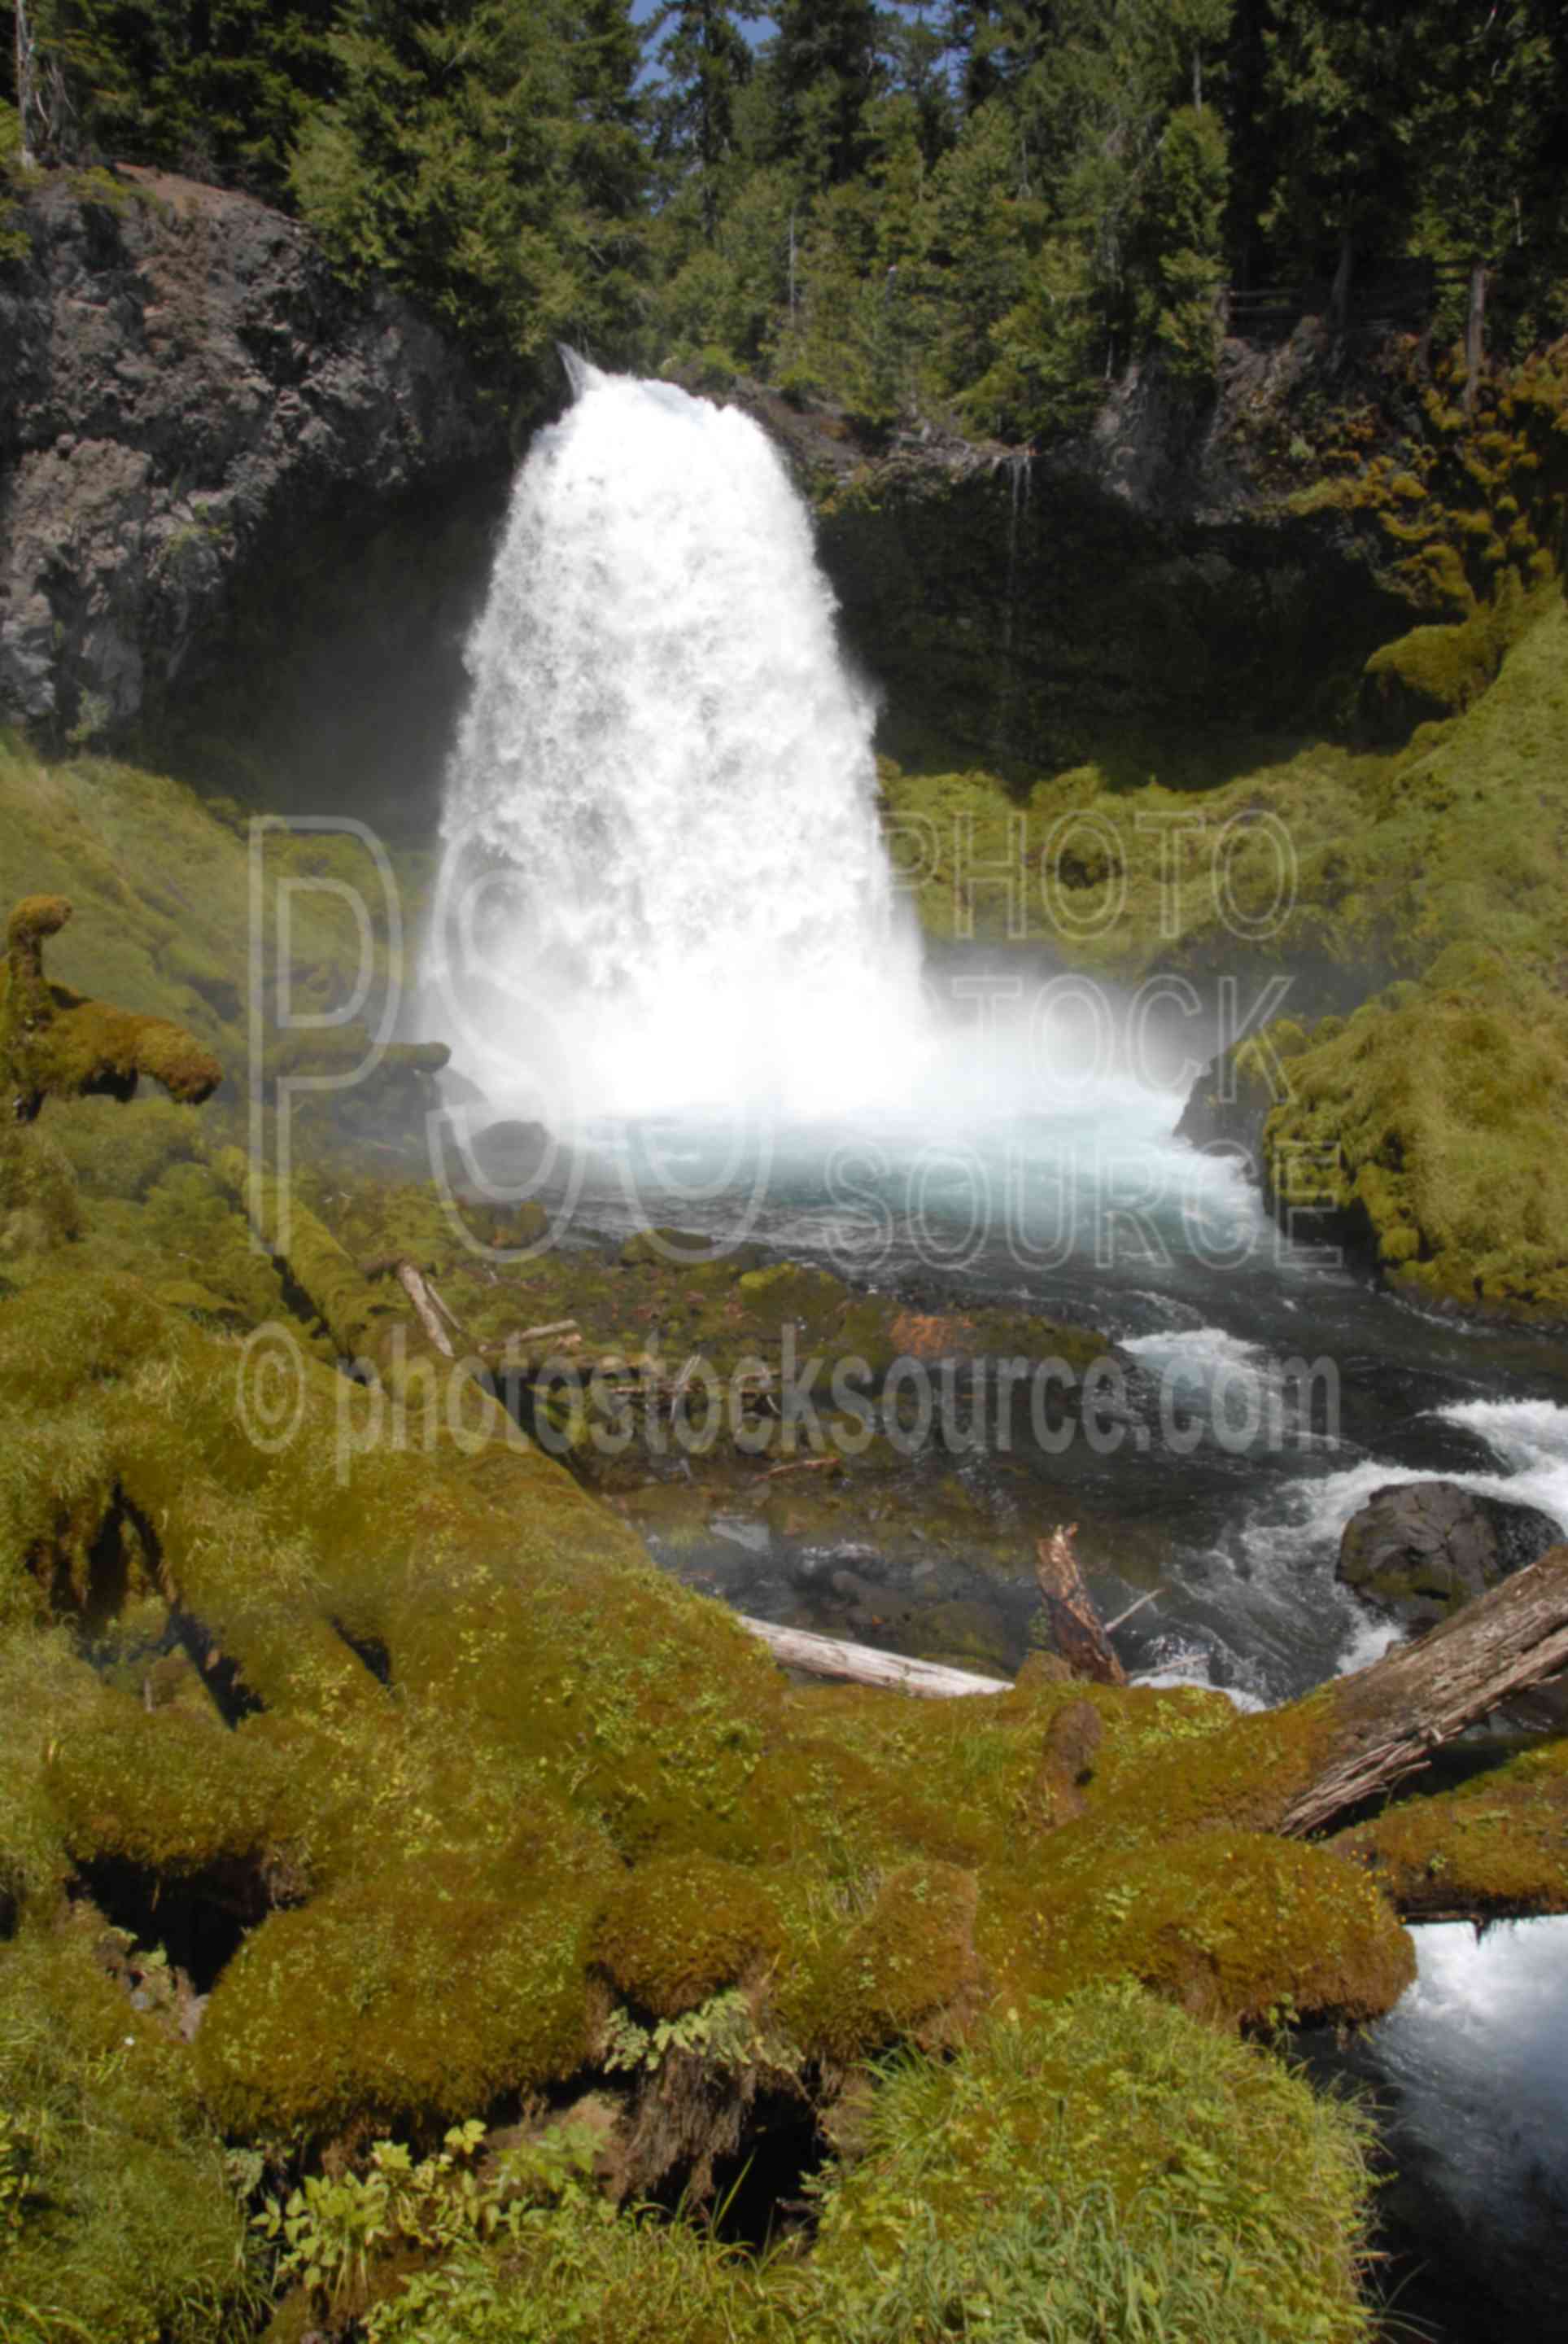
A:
1154,573
204,436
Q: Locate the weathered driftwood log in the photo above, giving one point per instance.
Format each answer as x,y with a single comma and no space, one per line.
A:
1075,1625
825,1656
1385,1721
424,1301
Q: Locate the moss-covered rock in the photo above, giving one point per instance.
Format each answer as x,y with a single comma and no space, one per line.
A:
907,1970
1234,1926
1418,1550
1497,1845
681,1928
1433,1128
415,1993
166,1787
1428,675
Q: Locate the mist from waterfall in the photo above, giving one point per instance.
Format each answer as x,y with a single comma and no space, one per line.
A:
663,884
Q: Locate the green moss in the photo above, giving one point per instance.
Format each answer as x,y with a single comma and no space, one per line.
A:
683,1926
1431,674
906,1971
1497,1845
1076,2171
404,1997
1438,1127
44,1690
130,2230
39,1206
169,1789
1372,862
123,1150
54,1043
162,881
1234,1926
786,1293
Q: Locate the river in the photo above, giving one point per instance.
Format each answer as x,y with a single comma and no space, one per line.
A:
667,927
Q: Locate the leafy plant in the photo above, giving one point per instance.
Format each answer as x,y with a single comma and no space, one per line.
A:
333,2231
722,2029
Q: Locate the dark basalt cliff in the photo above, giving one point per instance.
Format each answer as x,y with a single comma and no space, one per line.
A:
246,511
210,450
1153,570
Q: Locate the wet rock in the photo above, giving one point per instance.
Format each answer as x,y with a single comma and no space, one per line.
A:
507,1156
965,1634
1418,1550
1146,557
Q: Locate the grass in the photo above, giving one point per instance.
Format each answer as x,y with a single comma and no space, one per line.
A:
1103,2167
129,2230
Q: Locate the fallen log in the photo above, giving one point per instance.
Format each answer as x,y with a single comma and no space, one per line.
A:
826,1656
424,1300
1075,1627
363,1320
1384,1723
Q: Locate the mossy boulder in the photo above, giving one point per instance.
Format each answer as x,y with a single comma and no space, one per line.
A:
1234,1926
1495,1845
415,1995
1434,1128
1427,676
681,1928
963,1634
166,1787
908,1970
56,1043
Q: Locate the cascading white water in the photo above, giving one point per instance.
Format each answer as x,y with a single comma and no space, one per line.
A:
663,883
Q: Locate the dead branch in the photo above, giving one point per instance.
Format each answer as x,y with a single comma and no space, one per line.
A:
1075,1626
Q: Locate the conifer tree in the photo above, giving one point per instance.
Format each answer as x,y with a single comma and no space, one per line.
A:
1342,83
487,154
823,69
705,60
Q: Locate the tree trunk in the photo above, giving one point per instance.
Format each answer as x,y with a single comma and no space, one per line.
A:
1387,1719
26,99
1474,334
1339,298
43,105
1075,1628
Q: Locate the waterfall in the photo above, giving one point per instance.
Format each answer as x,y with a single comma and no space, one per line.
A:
663,886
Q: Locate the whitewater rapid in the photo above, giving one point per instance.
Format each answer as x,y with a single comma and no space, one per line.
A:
663,886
